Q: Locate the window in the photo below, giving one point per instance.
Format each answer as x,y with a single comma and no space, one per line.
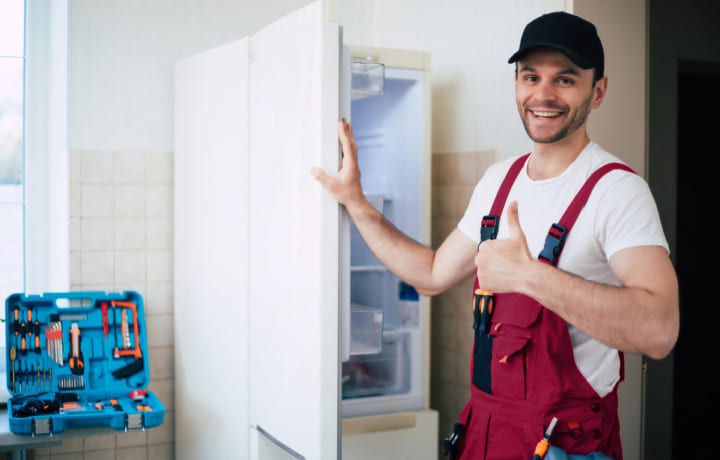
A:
34,182
12,67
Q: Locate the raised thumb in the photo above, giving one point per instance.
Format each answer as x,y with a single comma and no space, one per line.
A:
513,219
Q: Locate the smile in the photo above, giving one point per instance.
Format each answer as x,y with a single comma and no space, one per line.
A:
542,114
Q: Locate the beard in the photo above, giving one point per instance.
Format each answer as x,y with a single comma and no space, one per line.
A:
576,120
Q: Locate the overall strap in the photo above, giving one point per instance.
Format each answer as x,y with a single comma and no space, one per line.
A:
555,240
491,222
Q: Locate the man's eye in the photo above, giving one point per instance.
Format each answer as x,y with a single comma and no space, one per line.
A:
565,81
530,78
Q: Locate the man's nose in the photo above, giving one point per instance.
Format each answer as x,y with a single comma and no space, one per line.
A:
545,92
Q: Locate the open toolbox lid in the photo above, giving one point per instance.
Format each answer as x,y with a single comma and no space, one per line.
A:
78,359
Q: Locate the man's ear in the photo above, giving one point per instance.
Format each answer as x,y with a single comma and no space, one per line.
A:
599,90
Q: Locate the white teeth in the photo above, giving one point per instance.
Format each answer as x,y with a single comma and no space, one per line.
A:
547,114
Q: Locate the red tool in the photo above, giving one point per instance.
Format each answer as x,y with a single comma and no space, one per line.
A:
134,351
104,308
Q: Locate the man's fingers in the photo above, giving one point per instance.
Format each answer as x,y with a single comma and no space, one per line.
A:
347,139
321,177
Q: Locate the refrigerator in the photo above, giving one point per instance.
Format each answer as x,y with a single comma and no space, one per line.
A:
291,339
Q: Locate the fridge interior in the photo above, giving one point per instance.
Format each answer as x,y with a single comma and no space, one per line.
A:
384,370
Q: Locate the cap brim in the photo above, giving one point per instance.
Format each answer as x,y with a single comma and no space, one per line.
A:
578,60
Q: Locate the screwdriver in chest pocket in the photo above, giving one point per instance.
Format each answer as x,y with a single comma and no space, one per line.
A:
483,306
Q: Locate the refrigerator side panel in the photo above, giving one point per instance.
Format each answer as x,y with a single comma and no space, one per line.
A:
293,231
211,272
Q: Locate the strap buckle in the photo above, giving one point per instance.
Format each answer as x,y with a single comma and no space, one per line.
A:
489,227
554,243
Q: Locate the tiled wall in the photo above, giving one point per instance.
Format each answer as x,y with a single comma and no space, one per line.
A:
121,238
454,178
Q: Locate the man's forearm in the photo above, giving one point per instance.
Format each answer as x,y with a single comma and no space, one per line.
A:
406,258
632,319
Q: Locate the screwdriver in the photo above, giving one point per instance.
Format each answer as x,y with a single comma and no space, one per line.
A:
16,324
12,362
483,306
36,327
23,331
542,446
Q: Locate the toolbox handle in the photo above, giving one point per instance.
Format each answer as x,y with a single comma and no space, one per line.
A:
66,302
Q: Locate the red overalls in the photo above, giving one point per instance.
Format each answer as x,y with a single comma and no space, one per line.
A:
523,370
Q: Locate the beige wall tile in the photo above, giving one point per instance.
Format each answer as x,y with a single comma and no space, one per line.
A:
96,167
130,167
75,233
159,232
75,200
130,233
162,360
164,391
159,265
75,166
164,433
129,267
97,233
75,267
107,454
130,200
68,445
132,453
159,298
131,438
159,168
97,200
97,267
161,451
160,330
101,442
159,200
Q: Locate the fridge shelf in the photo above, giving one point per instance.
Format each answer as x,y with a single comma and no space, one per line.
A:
366,333
368,79
380,374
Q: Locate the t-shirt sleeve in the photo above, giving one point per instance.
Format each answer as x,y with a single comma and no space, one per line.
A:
480,202
628,217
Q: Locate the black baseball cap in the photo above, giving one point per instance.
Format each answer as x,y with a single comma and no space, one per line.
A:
572,35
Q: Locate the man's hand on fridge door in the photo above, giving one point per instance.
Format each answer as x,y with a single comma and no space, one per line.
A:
345,185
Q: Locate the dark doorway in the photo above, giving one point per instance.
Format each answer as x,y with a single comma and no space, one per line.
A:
695,398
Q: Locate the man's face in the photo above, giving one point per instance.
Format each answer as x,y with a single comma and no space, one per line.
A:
554,96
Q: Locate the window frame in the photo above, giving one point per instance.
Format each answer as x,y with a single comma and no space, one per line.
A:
46,172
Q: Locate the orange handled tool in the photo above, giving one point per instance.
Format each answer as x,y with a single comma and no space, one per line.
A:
77,366
483,306
542,446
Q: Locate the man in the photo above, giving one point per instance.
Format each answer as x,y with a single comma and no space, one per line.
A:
548,330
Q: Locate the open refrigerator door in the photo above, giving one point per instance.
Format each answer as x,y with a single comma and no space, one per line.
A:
384,320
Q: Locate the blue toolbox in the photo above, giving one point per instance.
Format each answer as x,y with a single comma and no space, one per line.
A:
78,359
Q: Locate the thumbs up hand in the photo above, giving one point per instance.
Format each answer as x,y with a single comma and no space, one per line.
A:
503,264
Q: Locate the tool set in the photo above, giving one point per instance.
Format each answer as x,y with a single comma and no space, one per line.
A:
72,354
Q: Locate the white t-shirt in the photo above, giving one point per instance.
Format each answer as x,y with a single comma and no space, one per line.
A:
619,214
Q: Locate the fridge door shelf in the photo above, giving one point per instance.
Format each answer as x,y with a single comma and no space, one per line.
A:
368,79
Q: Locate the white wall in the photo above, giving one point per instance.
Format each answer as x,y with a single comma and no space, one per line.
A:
123,54
122,58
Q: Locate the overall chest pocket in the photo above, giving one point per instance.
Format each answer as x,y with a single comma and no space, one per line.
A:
512,333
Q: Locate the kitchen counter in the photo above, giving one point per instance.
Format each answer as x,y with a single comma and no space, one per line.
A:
20,443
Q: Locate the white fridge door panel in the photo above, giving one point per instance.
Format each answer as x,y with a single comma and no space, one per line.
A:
293,234
210,170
